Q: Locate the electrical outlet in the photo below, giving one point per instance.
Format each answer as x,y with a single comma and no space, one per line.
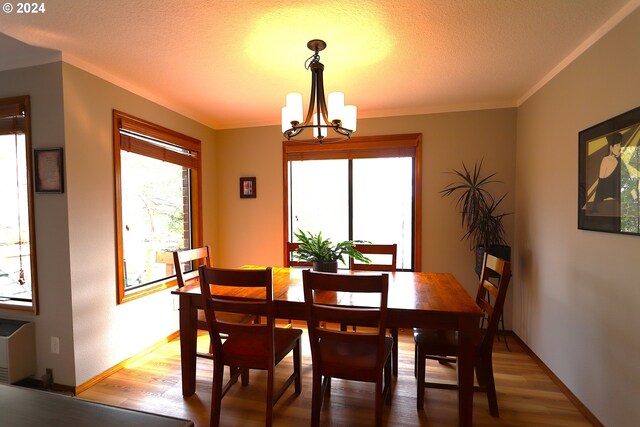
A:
176,304
55,345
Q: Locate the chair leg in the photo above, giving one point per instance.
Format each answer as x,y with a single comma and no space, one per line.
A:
504,335
216,394
232,371
387,382
378,401
394,350
244,376
269,403
421,372
484,373
316,399
415,360
326,386
297,364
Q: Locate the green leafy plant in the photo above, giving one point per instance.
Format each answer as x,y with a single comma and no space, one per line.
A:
314,248
478,207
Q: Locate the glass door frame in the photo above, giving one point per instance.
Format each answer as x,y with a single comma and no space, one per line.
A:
403,145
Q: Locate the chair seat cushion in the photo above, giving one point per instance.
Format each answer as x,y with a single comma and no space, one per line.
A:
351,361
251,351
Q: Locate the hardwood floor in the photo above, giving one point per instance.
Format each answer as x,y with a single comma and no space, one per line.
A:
526,395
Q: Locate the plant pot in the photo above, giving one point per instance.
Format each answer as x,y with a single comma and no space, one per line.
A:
326,267
500,251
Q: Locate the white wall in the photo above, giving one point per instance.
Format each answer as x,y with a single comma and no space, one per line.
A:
577,292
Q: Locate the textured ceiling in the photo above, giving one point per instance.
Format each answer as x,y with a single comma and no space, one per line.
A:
230,63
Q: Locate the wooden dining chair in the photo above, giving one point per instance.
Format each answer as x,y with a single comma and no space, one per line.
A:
444,343
350,355
248,345
186,264
289,261
386,262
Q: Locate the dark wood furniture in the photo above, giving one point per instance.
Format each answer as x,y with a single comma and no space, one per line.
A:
442,343
390,251
246,345
192,259
22,407
417,299
374,249
289,261
356,356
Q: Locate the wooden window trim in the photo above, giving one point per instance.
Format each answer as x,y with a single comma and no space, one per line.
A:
401,145
193,161
12,121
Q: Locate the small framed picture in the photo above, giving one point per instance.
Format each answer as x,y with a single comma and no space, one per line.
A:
248,188
48,170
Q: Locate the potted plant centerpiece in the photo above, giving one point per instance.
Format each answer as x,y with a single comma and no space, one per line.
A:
479,212
323,254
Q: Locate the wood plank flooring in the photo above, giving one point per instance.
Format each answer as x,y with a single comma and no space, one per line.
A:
526,395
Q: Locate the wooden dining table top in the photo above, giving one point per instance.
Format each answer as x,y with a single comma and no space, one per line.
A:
411,294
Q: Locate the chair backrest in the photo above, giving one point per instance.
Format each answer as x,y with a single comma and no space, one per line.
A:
256,291
492,291
289,261
191,259
321,304
365,249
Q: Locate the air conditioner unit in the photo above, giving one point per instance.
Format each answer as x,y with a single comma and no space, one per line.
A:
17,350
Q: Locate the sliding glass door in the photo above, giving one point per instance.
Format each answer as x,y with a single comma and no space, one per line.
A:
368,199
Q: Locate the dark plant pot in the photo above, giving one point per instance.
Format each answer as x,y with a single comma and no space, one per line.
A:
500,251
325,267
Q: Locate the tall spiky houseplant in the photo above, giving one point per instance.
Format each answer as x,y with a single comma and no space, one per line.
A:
479,212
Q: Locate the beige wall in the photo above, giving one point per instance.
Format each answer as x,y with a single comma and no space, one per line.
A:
75,231
577,296
43,84
106,333
250,230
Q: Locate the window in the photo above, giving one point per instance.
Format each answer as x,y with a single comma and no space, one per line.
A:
365,188
17,242
158,208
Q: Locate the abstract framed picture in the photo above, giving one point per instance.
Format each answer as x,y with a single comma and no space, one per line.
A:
248,188
609,175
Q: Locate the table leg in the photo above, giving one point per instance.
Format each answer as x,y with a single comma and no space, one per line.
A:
465,378
188,344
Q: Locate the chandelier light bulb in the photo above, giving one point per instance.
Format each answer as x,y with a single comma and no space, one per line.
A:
350,117
336,107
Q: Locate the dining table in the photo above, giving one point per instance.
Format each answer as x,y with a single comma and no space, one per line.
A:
415,300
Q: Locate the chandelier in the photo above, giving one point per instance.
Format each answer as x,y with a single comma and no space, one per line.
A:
321,115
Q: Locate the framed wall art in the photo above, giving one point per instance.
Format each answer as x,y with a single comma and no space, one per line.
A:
48,170
248,189
609,175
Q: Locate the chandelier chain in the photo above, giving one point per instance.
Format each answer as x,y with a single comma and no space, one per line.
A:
311,60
